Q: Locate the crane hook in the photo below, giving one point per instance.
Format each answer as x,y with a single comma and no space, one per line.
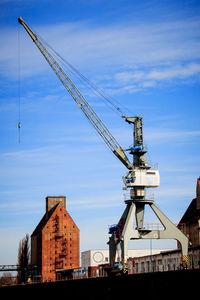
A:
19,126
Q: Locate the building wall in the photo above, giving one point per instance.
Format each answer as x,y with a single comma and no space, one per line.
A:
93,258
52,201
36,253
190,222
55,241
60,244
165,261
192,231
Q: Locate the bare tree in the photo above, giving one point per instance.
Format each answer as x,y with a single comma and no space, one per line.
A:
23,259
7,279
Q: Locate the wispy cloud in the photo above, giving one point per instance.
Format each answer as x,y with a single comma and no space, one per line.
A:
181,191
163,134
159,73
108,201
147,53
136,80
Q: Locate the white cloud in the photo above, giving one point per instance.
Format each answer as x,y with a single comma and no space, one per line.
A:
160,134
128,76
183,191
152,76
21,207
174,72
117,47
100,201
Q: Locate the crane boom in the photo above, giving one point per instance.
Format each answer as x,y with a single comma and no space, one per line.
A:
79,98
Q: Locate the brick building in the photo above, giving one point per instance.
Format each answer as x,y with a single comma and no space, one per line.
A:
55,240
190,222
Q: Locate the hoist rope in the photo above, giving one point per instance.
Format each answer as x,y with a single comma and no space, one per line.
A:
114,104
19,86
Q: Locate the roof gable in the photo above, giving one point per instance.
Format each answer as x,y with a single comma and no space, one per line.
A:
192,213
44,220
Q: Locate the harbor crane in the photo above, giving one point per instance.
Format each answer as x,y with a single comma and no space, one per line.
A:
139,177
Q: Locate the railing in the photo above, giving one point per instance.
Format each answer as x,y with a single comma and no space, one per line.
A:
8,268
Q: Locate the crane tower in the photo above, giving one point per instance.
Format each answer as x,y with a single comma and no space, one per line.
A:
139,177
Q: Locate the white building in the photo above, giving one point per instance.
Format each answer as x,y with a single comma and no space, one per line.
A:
93,258
166,261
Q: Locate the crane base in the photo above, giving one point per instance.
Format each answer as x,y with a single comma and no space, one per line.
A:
130,227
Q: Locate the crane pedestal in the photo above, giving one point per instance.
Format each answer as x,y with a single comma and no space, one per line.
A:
130,227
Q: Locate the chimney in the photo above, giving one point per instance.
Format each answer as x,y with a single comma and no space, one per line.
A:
198,194
52,201
198,188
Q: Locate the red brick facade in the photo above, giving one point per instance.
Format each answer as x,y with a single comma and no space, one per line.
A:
55,241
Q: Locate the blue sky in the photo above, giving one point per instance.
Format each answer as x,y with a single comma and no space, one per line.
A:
145,54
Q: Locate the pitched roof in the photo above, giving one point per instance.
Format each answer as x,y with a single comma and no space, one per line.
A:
192,213
44,220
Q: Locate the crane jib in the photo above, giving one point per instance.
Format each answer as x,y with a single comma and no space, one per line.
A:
79,99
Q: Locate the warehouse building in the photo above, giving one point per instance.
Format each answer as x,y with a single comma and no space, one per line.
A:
55,241
94,261
93,258
165,261
190,222
172,260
